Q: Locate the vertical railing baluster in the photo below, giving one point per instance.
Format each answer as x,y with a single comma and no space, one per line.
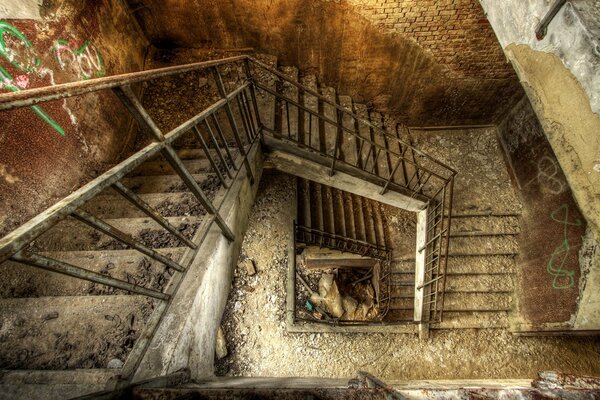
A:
384,189
209,155
287,116
135,108
224,140
217,148
336,145
253,93
223,94
136,200
244,121
253,123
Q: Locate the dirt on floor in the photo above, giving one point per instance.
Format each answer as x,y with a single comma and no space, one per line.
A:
259,345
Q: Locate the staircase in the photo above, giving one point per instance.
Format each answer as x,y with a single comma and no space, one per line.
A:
109,259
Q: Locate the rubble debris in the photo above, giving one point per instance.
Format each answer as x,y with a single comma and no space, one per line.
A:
115,363
221,345
248,266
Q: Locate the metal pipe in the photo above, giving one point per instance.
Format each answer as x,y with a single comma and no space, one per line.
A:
244,121
253,124
61,267
149,211
336,145
121,236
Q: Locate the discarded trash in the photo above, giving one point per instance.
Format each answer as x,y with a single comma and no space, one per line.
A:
221,344
309,306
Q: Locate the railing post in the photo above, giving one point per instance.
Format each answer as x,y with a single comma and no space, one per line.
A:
236,132
137,110
384,189
338,136
253,92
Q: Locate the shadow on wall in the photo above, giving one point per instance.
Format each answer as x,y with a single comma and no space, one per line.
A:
331,39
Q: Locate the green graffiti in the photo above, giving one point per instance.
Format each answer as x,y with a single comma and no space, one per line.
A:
563,278
8,83
10,54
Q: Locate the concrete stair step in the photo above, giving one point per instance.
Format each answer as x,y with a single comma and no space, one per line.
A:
162,167
167,183
359,218
473,320
328,210
479,283
481,265
316,201
339,212
70,332
484,245
72,235
485,225
129,265
166,204
477,302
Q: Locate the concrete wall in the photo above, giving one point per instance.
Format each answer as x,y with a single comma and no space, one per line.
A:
560,76
429,62
48,152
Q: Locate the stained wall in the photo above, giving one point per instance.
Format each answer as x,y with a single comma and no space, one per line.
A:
428,62
54,148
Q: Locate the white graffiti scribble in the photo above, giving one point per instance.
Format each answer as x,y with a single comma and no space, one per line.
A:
85,61
549,175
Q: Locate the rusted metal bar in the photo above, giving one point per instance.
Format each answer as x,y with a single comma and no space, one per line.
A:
338,136
432,240
447,244
244,120
429,282
253,92
338,107
61,267
209,155
346,129
149,211
121,236
287,115
34,96
396,166
222,137
253,124
138,112
23,235
542,28
236,134
217,148
191,183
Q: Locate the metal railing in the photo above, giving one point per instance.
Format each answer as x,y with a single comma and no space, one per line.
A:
242,127
367,151
405,170
311,236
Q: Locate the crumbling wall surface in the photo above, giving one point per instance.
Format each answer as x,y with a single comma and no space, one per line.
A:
560,76
428,62
552,226
53,148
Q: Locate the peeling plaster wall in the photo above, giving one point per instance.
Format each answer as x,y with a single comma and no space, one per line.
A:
56,147
561,79
428,62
